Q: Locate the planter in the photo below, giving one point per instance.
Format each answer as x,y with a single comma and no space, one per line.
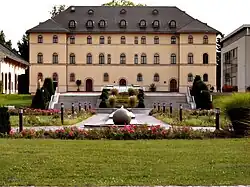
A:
240,118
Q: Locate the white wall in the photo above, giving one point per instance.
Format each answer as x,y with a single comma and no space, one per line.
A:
14,70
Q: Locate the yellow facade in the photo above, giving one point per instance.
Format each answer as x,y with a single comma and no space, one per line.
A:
163,65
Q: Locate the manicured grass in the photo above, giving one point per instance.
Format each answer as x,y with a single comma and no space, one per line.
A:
166,162
36,121
15,100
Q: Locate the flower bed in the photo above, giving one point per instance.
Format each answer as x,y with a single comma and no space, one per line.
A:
129,132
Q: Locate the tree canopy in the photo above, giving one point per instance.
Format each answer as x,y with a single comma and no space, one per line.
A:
56,9
3,40
122,3
23,47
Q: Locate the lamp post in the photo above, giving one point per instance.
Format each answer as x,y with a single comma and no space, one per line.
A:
217,118
20,120
164,107
181,112
80,107
62,110
171,109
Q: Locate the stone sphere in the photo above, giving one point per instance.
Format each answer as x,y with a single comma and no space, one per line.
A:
121,117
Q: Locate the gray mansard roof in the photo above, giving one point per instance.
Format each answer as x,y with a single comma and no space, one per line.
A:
113,15
6,52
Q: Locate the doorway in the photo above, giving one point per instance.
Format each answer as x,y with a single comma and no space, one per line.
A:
55,81
89,85
173,86
122,82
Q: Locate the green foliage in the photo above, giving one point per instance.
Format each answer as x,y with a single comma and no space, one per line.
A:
3,41
132,92
237,108
78,83
152,87
201,94
48,85
38,101
4,120
112,101
132,100
57,9
23,47
140,94
122,3
104,95
114,92
141,103
17,100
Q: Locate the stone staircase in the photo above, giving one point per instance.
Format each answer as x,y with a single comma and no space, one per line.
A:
176,100
67,100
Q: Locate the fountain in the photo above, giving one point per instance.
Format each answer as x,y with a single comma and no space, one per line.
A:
121,117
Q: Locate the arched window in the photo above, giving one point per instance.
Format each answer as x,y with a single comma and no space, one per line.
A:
72,58
89,40
123,24
39,58
72,77
156,24
89,58
40,76
139,77
173,40
109,58
205,58
190,39
143,58
72,39
156,40
39,39
72,24
90,24
55,58
106,77
156,58
190,77
190,58
205,77
122,58
101,59
156,77
102,40
143,40
173,58
102,24
109,40
143,24
136,40
136,59
55,39
172,24
205,39
123,40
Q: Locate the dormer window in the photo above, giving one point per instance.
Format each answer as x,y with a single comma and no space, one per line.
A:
123,11
72,24
143,24
90,24
155,12
102,24
90,12
172,24
123,23
156,24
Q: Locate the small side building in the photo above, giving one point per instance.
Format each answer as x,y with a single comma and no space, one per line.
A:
11,66
235,59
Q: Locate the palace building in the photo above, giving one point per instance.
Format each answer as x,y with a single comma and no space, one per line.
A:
122,46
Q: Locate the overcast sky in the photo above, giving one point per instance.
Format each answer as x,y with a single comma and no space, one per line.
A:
224,15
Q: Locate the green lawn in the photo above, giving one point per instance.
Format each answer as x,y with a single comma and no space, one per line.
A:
166,162
16,100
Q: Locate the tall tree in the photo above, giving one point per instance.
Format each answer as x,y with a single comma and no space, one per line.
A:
3,40
218,62
56,9
23,47
122,3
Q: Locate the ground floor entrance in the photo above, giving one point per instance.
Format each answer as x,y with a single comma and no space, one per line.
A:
122,82
89,85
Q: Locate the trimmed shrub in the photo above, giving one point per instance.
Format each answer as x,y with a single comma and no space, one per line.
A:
132,92
141,103
38,101
112,101
140,94
78,84
4,120
104,94
237,107
114,92
132,100
48,85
